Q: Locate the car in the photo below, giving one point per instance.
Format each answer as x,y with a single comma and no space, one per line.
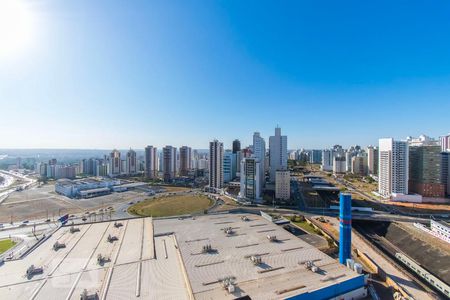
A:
131,202
84,219
25,222
48,220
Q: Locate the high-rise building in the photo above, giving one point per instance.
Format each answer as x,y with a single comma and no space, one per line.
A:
426,172
446,170
236,146
372,160
64,172
348,161
277,153
327,160
169,163
445,143
131,162
115,163
216,164
316,157
359,165
259,151
228,166
151,170
393,167
250,182
422,140
339,164
185,160
283,184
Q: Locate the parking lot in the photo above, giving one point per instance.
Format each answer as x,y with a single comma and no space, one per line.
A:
44,203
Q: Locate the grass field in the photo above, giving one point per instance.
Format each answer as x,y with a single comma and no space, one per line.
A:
171,206
303,225
5,245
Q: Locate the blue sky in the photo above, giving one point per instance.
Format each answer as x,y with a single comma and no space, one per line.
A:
105,74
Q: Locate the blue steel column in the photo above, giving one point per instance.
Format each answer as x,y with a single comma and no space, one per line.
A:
345,227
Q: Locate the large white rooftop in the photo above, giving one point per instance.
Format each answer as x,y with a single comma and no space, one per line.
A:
163,259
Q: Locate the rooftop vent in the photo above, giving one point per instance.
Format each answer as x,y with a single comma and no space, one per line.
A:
118,224
229,284
272,238
85,295
207,248
256,260
74,229
32,270
309,265
57,245
112,238
228,231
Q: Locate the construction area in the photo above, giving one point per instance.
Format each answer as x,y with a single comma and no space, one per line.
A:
218,256
392,237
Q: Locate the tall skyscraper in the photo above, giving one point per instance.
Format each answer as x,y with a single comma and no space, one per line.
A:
426,172
359,165
250,182
228,166
316,157
339,164
327,160
372,160
393,167
277,153
236,146
216,164
445,143
151,170
131,162
185,160
169,163
259,151
115,163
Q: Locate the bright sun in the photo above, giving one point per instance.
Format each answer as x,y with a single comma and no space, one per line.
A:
15,27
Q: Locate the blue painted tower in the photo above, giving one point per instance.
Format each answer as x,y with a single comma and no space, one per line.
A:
345,227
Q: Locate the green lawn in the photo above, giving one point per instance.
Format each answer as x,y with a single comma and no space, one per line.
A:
304,225
6,244
171,206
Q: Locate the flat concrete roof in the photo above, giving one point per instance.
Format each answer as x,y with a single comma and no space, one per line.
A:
70,270
282,273
163,259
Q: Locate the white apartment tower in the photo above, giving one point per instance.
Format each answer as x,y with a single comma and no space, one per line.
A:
277,153
393,167
150,162
115,163
445,143
216,164
169,158
283,184
259,151
327,160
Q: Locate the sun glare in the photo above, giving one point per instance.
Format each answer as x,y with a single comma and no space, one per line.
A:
15,27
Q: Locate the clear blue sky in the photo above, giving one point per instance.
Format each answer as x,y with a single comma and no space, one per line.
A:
104,74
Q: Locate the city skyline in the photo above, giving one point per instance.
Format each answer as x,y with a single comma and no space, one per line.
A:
87,76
